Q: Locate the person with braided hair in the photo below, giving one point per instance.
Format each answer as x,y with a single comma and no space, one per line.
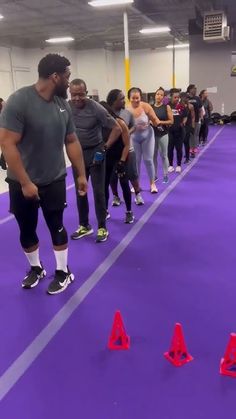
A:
116,157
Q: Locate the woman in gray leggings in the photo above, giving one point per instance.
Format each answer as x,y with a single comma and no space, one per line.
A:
143,137
164,113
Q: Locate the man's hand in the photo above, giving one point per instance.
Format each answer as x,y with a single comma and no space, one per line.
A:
82,185
30,191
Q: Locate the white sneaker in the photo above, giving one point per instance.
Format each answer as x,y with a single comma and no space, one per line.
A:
132,189
154,188
138,199
171,169
178,169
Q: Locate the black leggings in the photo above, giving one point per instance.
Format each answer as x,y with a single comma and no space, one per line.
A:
52,202
124,183
204,130
175,142
28,226
187,135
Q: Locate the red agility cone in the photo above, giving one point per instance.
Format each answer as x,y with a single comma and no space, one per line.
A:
118,338
178,354
228,363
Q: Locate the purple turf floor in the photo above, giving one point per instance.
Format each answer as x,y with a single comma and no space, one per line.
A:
179,268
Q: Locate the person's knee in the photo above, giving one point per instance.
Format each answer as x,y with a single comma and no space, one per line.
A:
56,228
28,239
59,236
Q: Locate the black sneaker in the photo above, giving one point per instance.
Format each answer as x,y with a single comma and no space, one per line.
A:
129,217
60,282
33,277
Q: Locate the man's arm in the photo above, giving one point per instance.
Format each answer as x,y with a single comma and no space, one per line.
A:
75,154
8,143
191,107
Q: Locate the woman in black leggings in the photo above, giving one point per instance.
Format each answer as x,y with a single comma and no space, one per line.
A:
116,156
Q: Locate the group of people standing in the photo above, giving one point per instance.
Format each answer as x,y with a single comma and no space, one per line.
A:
105,141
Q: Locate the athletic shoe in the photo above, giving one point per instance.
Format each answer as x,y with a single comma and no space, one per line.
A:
171,169
154,188
33,277
178,169
81,232
138,199
165,179
116,201
132,190
129,217
60,282
108,215
186,161
102,235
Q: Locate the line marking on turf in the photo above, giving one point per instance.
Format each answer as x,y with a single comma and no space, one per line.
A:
29,355
11,217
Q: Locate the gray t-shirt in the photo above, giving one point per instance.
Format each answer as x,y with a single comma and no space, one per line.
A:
128,117
44,126
89,122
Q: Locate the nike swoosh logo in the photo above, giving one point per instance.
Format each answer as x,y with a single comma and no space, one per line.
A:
62,284
62,110
60,230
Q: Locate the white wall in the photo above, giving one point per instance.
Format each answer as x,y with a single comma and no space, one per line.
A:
102,70
151,69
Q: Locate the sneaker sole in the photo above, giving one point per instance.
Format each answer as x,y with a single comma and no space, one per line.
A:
28,287
80,237
69,281
139,203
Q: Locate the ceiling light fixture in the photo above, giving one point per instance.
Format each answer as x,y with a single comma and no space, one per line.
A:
1,16
60,40
148,31
102,3
178,46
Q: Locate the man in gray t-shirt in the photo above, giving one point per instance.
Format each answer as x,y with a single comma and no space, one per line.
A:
35,125
90,118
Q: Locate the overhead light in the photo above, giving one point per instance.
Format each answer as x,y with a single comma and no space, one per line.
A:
178,46
147,31
1,16
60,40
101,3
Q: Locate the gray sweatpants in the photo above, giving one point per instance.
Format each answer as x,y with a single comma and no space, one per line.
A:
194,139
144,147
161,145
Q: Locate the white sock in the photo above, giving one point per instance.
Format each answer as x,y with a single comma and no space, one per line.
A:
61,259
33,258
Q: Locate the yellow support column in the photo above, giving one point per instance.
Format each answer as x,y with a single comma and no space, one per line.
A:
173,70
127,60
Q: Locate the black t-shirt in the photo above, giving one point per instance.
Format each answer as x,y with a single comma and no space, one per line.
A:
179,113
161,113
197,104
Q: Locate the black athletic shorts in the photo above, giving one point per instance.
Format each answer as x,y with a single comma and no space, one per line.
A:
52,197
